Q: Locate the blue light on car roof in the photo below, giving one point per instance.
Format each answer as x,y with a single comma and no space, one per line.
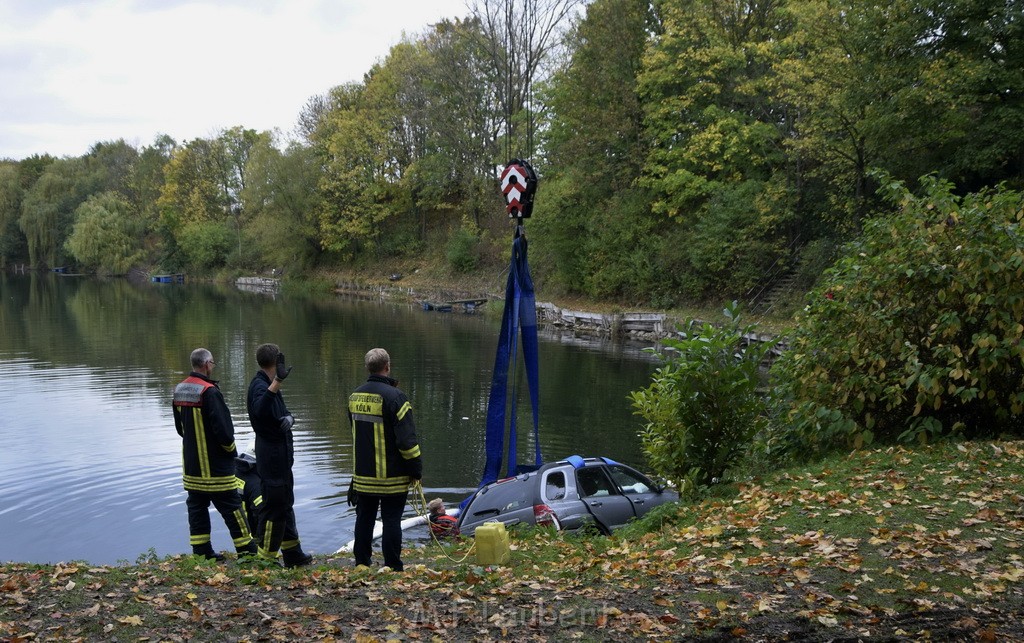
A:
609,461
575,460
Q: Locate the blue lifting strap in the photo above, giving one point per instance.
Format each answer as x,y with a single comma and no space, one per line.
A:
519,317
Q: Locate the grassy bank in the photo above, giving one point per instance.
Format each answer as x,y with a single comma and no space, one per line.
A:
887,544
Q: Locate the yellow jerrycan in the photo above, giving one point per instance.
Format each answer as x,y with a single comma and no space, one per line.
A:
492,544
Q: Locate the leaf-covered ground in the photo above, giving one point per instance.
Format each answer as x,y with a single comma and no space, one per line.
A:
880,545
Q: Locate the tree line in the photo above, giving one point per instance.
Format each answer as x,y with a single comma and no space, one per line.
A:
687,149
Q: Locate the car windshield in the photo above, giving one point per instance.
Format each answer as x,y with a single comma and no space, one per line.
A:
501,497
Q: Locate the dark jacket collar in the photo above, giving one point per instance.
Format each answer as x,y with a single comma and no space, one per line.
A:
382,378
203,377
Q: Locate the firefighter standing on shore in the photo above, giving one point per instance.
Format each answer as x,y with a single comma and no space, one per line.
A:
387,459
204,423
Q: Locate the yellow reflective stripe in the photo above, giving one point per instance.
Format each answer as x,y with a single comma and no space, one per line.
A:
409,454
221,483
379,450
267,531
383,490
258,501
239,483
289,544
365,484
243,524
242,540
199,539
405,409
204,457
229,448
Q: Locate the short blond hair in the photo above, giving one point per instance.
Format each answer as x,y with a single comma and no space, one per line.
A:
377,360
435,507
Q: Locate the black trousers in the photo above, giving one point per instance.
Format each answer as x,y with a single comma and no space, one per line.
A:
228,504
277,519
391,508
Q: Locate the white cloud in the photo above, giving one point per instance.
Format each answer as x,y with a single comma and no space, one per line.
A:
76,73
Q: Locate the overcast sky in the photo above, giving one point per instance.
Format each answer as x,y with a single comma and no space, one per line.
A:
76,73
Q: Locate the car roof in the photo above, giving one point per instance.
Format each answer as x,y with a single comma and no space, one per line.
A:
574,461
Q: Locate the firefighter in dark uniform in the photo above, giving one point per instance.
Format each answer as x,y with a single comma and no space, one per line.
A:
387,459
203,421
249,487
275,455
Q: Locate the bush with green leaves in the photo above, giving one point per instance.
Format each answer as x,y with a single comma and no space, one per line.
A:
462,248
917,331
702,406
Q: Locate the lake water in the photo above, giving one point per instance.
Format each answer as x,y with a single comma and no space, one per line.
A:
90,467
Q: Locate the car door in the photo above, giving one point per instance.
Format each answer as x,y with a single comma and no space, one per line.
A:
602,497
638,488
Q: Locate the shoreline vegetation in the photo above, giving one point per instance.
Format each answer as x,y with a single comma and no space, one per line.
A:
885,544
586,316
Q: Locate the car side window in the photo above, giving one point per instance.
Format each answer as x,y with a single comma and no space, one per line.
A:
593,482
630,482
554,486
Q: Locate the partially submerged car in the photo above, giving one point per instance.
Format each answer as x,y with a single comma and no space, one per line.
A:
572,494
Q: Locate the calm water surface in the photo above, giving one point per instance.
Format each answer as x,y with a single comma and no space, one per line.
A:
90,467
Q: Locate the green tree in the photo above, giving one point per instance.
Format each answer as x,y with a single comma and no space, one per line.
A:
354,183
200,200
13,247
113,164
282,228
596,231
146,185
48,207
106,234
233,147
917,331
465,121
716,163
973,89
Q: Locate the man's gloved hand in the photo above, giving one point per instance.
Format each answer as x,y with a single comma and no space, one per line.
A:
282,370
353,495
287,422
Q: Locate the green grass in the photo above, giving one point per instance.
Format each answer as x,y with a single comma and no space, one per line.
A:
866,544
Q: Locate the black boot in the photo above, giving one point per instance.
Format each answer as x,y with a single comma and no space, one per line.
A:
206,551
247,550
295,557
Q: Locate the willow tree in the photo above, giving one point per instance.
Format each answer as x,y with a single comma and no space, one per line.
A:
48,207
106,234
12,240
